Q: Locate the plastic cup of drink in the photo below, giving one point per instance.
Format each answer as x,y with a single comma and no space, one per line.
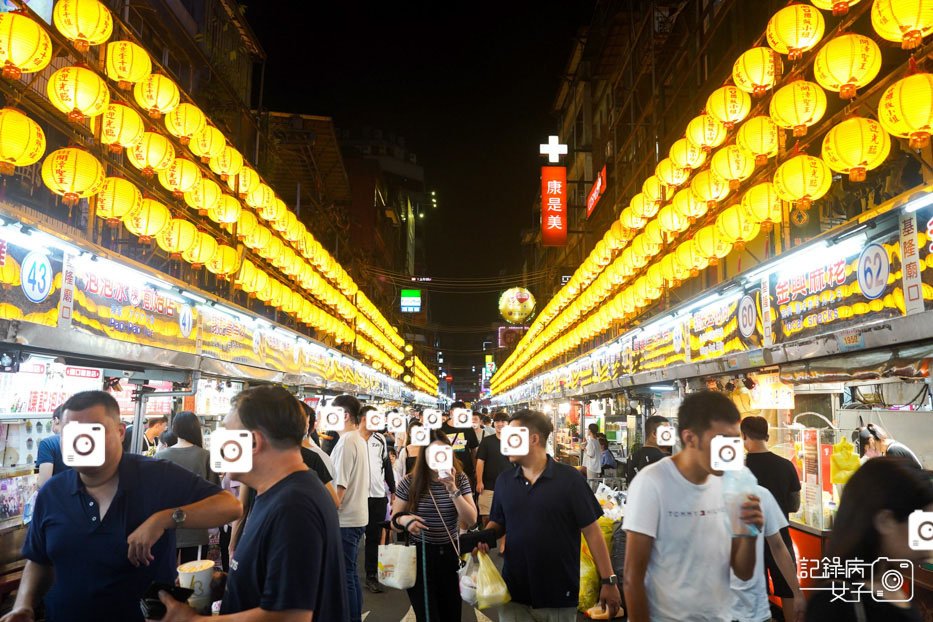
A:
734,504
197,576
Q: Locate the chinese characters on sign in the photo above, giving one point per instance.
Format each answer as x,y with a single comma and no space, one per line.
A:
553,205
910,265
854,580
596,192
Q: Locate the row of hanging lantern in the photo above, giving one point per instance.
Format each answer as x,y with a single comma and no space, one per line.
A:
668,205
420,377
73,173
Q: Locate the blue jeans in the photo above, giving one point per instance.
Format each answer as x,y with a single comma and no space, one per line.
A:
351,537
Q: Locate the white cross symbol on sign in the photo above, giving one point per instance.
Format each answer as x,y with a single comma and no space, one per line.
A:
553,149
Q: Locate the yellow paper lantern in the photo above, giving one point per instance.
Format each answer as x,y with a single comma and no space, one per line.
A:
733,163
643,208
152,154
207,143
755,71
671,175
735,228
672,221
688,206
906,109
711,244
761,204
22,141
295,230
177,237
204,196
802,180
158,94
630,221
224,262
227,163
686,155
655,277
245,182
759,135
25,47
73,174
262,285
184,122
182,176
83,22
680,272
709,188
148,220
689,258
654,233
246,277
653,190
201,251
78,92
706,132
855,146
259,239
671,272
274,211
121,127
261,199
729,105
838,7
903,21
617,237
246,224
227,211
795,29
643,249
127,63
797,106
117,198
280,219
847,63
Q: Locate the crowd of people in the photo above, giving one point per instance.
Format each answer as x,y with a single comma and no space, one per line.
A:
293,525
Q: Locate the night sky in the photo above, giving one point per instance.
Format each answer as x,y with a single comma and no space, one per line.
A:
470,87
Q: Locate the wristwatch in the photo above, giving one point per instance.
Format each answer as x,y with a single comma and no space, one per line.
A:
612,580
179,517
456,493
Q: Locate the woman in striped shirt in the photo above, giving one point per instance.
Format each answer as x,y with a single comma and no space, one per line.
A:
432,509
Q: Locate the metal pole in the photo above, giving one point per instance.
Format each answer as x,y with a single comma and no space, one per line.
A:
139,414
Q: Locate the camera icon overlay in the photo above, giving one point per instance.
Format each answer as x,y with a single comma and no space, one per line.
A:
231,451
83,444
514,441
420,436
375,421
727,453
432,419
333,419
893,575
441,458
666,435
395,422
461,418
920,530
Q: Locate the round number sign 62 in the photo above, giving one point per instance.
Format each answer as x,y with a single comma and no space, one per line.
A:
874,268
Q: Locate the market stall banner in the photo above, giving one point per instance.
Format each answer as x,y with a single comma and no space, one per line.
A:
726,327
30,284
229,339
659,346
108,306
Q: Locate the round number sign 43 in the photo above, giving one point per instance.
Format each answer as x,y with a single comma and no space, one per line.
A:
36,276
874,268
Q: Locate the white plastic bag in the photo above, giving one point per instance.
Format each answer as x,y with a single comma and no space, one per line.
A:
398,566
468,581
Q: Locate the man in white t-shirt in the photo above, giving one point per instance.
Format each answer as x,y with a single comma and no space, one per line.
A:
750,598
679,546
351,463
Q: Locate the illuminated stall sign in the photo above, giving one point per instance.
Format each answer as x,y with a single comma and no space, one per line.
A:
113,307
30,284
229,339
726,327
596,192
658,347
553,205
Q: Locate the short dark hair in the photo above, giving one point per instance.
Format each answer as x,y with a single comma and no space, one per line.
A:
536,422
275,412
755,427
90,399
309,413
500,417
699,410
486,419
652,423
351,405
154,421
603,442
594,428
187,426
456,405
57,413
168,438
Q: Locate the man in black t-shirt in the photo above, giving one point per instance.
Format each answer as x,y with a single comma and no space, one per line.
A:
464,443
289,557
650,453
490,463
780,477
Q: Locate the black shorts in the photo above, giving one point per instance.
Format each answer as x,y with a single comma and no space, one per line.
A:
780,588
